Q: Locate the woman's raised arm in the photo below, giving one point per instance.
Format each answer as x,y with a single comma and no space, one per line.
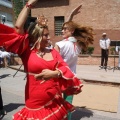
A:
20,22
74,12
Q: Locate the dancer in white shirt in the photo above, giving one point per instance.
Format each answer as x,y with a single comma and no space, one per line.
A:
69,51
76,37
104,44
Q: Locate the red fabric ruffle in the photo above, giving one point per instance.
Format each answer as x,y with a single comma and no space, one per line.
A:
53,111
12,41
70,87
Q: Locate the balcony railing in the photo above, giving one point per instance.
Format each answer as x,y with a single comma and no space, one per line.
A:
6,3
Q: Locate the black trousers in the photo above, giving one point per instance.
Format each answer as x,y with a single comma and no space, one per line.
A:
1,101
104,57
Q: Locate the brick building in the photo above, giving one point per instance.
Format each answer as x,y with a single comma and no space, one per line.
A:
102,15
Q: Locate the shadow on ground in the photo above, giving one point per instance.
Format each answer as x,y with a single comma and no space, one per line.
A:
4,76
81,113
12,106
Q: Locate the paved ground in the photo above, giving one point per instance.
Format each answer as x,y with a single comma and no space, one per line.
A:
94,73
13,91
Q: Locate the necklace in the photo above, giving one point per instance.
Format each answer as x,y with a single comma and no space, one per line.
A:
41,54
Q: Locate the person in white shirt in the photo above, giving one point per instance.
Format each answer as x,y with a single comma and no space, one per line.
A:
118,51
76,37
2,111
69,50
1,58
4,54
104,44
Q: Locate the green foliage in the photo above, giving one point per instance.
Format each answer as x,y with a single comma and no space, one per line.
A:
89,50
112,50
17,7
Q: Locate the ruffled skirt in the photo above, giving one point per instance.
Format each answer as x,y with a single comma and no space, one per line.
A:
56,109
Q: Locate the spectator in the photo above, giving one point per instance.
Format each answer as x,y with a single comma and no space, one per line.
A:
118,51
5,57
2,111
104,44
1,59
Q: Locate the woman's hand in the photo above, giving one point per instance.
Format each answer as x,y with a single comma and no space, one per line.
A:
32,2
46,74
74,12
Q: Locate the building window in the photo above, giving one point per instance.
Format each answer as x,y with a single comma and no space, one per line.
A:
58,24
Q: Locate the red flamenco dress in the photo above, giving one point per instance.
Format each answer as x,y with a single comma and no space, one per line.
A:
43,100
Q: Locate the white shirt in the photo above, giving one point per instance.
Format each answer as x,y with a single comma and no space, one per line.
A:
117,49
105,43
69,52
4,54
1,54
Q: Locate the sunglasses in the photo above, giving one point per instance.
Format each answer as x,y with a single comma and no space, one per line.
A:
65,28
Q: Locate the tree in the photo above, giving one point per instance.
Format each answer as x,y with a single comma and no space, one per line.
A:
17,7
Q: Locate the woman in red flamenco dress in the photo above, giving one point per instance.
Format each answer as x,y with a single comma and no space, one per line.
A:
48,76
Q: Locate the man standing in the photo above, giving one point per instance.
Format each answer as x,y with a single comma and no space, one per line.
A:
104,44
118,51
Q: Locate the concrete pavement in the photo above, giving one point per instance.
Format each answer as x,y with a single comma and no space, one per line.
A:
94,73
12,91
89,73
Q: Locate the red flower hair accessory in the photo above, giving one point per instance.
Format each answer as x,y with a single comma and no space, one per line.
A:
41,20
